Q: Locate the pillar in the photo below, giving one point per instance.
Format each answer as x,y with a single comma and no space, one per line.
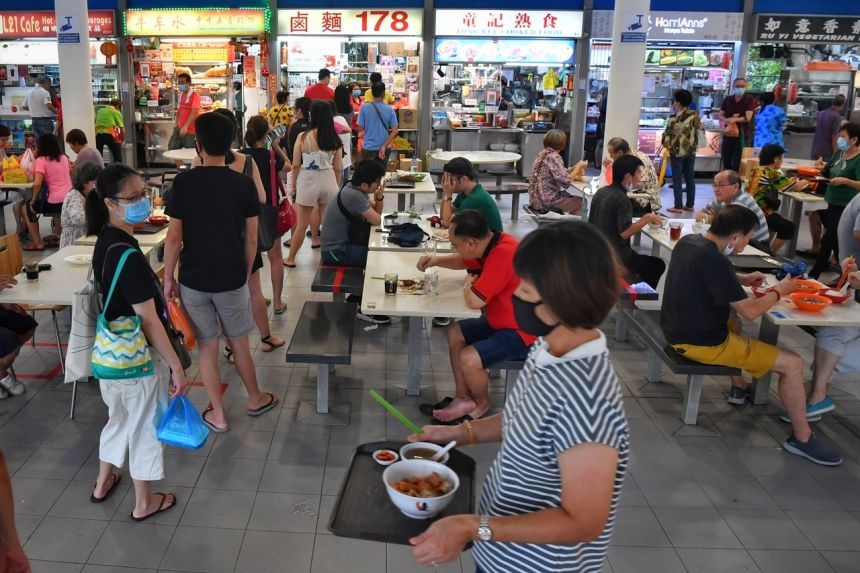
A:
627,70
576,142
76,74
425,81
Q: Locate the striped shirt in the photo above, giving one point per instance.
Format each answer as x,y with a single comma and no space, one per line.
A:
760,233
556,404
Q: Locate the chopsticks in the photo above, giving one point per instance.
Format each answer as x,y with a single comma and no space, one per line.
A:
845,272
395,412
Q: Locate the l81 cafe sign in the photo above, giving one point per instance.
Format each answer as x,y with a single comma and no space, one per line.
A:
43,24
806,29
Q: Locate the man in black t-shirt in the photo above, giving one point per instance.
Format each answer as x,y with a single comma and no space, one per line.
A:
213,212
701,290
612,213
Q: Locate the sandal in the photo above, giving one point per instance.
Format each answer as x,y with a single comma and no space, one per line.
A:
280,310
210,425
32,247
161,507
268,301
116,480
228,354
289,265
273,401
272,345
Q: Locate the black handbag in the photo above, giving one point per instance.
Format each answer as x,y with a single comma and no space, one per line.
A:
267,222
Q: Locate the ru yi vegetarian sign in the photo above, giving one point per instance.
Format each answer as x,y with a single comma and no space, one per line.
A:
509,23
807,29
369,22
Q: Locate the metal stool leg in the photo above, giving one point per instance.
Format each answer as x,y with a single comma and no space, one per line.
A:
59,343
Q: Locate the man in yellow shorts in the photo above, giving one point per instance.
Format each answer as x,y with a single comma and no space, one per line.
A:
702,289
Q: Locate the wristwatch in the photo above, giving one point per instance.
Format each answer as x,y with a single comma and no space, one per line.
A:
379,198
484,531
446,199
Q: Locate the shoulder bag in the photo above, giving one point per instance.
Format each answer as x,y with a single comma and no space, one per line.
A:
267,221
359,229
286,210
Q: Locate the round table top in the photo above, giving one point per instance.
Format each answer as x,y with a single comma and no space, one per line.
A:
483,157
186,154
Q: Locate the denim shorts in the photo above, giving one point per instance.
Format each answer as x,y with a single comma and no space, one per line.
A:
206,309
493,346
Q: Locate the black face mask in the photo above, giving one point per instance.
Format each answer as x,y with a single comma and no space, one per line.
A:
527,318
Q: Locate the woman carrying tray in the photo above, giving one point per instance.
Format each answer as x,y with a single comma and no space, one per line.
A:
550,498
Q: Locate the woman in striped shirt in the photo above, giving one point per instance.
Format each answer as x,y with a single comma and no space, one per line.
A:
550,498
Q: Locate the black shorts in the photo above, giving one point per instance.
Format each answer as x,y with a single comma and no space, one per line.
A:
12,326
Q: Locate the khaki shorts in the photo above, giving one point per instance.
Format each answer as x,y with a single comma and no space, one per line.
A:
754,356
232,309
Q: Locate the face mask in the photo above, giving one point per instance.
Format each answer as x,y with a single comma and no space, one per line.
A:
136,212
729,248
527,318
356,93
740,91
629,187
842,144
182,87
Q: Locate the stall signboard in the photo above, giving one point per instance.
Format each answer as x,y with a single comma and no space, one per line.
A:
199,22
312,54
367,22
508,51
808,29
509,23
43,24
679,26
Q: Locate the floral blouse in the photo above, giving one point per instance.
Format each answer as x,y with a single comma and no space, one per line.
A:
73,218
548,181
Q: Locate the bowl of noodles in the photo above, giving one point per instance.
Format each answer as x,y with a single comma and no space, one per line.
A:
420,489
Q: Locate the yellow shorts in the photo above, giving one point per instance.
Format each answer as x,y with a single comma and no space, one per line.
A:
754,356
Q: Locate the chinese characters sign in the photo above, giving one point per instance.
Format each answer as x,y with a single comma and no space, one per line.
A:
214,22
498,23
44,24
370,22
824,29
514,51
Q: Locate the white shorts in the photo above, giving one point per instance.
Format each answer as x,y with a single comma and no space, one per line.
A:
315,187
135,406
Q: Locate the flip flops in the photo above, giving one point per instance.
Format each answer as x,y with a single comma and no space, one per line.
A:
272,346
161,507
454,422
273,401
210,425
32,247
116,480
281,310
289,265
427,409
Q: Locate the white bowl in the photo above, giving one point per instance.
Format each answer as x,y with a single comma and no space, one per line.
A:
385,462
419,507
404,451
700,227
497,147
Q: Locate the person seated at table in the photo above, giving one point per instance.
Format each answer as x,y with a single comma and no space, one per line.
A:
53,169
550,499
612,213
16,328
475,344
73,217
728,191
550,179
702,289
765,183
648,182
84,152
459,176
352,214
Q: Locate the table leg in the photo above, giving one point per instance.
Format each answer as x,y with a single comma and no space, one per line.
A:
3,218
769,333
411,200
515,207
401,201
413,387
655,248
796,213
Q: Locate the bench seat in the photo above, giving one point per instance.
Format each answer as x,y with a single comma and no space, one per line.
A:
338,280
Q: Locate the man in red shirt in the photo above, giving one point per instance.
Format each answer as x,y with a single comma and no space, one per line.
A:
184,132
737,109
320,90
476,344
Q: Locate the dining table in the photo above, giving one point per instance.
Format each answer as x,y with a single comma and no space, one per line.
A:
478,157
184,154
379,236
425,186
57,286
660,239
449,301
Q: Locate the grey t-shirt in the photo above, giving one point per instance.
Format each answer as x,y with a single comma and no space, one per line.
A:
89,154
335,227
849,224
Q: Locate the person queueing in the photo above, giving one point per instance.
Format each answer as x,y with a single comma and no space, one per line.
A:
550,499
134,405
214,289
681,139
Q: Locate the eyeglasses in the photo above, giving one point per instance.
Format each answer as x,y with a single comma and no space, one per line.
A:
718,185
133,199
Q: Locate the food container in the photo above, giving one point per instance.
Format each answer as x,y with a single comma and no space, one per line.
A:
385,457
809,302
422,450
497,147
419,507
807,286
837,296
761,291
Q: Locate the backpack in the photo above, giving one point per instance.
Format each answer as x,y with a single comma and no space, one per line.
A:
407,235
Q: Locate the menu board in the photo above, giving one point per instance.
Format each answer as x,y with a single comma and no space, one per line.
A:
689,58
511,51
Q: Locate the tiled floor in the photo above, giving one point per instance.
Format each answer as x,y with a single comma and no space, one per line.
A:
718,497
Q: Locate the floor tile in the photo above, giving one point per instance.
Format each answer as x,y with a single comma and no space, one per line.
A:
133,544
717,560
245,444
203,549
273,552
326,508
774,561
845,490
111,569
729,492
62,539
342,554
833,530
672,491
399,558
231,473
645,560
53,463
16,456
799,493
765,529
697,528
218,508
36,496
182,470
638,526
75,501
292,477
169,517
53,567
26,525
287,512
843,561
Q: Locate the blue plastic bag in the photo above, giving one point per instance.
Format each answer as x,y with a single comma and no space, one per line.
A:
182,425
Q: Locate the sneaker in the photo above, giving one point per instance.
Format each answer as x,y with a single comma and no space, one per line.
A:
442,321
12,385
738,396
813,450
813,411
374,318
3,393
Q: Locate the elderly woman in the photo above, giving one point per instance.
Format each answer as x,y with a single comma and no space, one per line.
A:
550,179
72,215
549,501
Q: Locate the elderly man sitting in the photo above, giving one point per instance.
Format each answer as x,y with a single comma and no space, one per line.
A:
648,181
727,191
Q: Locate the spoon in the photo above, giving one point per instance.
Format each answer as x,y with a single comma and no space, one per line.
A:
441,453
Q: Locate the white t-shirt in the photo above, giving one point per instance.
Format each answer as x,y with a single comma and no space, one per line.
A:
37,102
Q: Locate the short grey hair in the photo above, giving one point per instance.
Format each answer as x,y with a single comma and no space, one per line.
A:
84,173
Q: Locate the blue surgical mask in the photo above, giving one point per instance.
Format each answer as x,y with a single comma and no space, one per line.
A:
182,87
728,250
740,91
137,212
842,144
356,93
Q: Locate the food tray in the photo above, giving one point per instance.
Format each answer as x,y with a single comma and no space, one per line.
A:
148,229
364,511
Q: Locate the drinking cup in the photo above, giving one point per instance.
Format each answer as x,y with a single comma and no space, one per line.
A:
675,230
31,271
391,283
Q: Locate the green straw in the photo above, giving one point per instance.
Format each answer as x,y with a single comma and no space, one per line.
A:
395,412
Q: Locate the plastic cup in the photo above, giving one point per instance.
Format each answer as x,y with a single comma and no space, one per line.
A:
431,283
31,271
675,230
391,283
